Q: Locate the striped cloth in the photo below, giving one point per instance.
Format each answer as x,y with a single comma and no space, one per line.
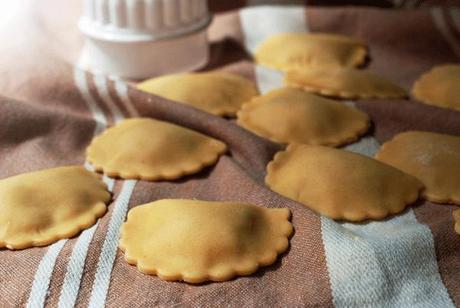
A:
50,111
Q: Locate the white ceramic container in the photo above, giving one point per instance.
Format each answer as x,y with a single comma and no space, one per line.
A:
143,38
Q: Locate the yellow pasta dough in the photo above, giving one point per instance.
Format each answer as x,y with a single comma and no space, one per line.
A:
456,214
299,50
291,115
341,184
432,158
215,92
198,241
439,87
152,150
344,83
42,207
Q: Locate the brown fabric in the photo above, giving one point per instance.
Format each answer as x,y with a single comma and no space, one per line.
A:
425,3
277,284
399,50
45,122
222,6
402,51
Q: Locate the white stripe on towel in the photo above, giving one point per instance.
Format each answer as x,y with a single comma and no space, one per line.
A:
440,22
268,79
383,264
260,22
42,277
367,145
110,182
44,272
109,249
122,91
106,260
102,86
74,273
390,263
455,15
96,111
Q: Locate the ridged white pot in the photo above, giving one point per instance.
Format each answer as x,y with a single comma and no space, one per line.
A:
143,38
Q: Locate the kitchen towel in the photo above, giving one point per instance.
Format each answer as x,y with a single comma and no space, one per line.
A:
50,110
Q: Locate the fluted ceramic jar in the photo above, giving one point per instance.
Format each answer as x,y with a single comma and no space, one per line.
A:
144,38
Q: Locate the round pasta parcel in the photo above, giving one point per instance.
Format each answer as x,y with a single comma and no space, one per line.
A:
217,93
439,87
42,207
152,150
290,115
456,214
432,158
339,184
196,241
347,83
287,51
